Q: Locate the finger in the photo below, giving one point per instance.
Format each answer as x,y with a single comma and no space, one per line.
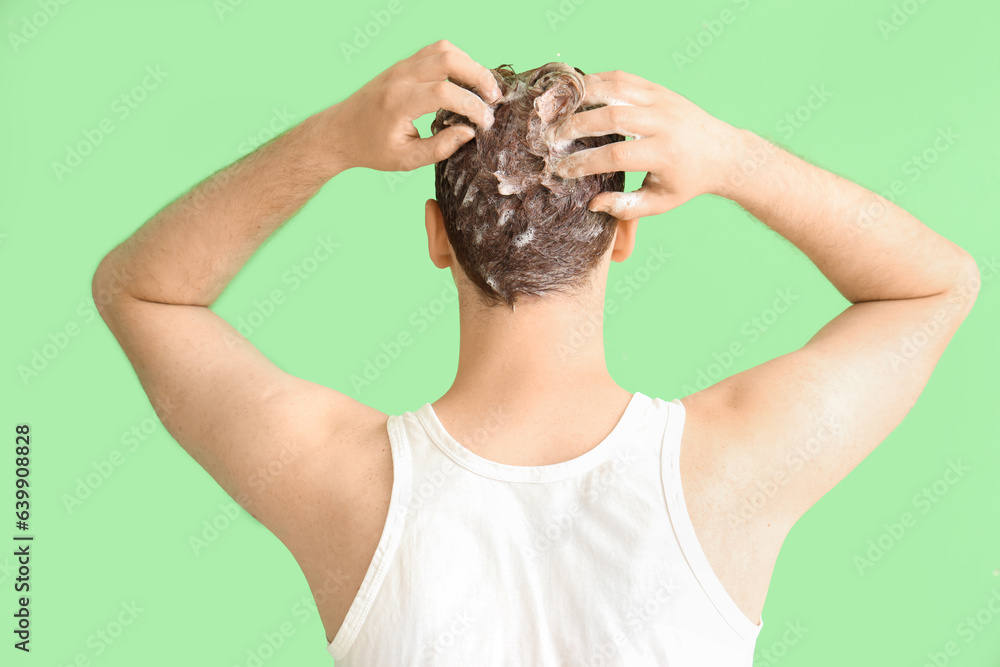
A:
442,145
635,122
429,97
616,93
619,75
430,49
653,90
453,63
631,205
634,155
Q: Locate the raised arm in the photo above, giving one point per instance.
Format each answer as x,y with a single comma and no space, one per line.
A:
868,247
189,251
257,430
798,423
817,412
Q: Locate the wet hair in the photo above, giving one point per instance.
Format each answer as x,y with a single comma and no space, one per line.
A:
517,227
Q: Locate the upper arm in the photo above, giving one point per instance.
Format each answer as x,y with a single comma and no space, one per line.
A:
793,427
272,441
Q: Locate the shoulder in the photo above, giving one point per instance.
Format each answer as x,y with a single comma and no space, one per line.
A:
724,465
337,455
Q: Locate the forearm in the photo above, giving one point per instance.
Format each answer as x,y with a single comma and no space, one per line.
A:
869,248
189,251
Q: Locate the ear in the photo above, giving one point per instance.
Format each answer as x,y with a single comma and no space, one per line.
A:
437,238
624,240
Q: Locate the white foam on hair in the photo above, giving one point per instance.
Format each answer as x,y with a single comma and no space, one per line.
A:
508,185
470,194
524,238
547,110
522,163
557,146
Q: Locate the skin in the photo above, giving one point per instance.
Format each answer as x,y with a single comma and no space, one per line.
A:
235,412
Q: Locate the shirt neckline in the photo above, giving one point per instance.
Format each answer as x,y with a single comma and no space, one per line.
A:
547,473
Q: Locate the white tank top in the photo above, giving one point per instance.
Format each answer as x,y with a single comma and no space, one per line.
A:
592,561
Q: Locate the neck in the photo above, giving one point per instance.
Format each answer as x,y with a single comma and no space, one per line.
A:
547,349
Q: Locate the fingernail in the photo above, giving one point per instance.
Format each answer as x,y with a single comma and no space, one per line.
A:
599,206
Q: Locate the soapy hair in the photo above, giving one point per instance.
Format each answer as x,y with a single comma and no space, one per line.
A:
517,227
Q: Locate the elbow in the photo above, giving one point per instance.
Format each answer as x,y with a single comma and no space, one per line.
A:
109,284
966,284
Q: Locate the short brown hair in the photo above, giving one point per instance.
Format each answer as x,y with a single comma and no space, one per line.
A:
515,226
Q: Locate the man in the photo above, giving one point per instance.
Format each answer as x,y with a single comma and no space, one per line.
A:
534,513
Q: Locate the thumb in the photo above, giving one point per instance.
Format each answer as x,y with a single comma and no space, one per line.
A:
443,144
622,205
640,203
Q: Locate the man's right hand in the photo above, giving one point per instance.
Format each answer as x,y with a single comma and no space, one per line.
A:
685,150
374,128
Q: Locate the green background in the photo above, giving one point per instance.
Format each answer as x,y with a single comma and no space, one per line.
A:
230,66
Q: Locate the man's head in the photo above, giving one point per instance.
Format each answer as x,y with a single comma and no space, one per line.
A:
515,227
